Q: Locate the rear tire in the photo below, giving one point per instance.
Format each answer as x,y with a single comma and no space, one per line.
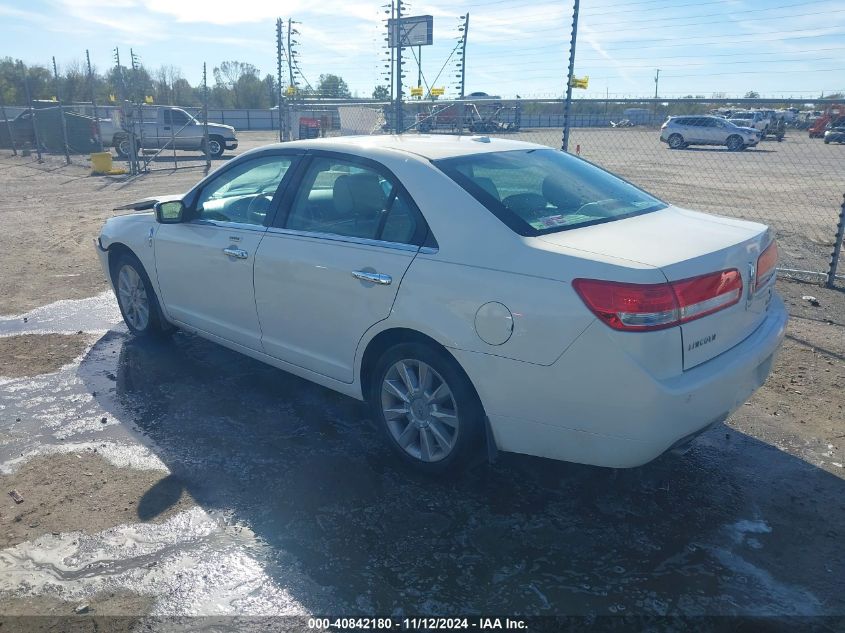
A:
123,147
676,141
136,298
426,408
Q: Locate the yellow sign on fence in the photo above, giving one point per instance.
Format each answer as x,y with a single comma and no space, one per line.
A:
416,91
148,99
437,92
291,90
580,82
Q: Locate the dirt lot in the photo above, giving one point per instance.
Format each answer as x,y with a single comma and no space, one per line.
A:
180,478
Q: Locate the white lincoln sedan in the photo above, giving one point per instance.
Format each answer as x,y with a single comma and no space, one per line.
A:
476,292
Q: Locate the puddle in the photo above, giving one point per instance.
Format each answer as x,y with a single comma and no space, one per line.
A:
302,509
192,564
68,316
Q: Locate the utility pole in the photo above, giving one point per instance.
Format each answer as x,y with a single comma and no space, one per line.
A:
654,107
284,134
8,125
61,111
465,30
398,122
290,55
121,87
419,67
32,111
569,77
205,118
136,88
93,98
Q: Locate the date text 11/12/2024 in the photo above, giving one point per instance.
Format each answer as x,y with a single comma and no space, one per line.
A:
421,623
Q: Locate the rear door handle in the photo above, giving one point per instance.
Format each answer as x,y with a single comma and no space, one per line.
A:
235,252
374,278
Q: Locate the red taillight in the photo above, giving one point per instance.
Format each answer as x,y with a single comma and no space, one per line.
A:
766,264
642,307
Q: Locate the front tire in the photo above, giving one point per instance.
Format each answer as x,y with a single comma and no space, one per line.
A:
426,407
136,298
676,141
216,146
734,143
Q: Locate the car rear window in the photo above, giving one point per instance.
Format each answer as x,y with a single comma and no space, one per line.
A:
540,191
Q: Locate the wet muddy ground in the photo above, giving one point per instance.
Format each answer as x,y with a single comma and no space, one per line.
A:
177,477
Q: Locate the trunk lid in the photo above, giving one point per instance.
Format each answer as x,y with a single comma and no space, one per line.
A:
684,244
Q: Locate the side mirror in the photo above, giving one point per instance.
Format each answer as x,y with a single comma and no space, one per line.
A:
169,212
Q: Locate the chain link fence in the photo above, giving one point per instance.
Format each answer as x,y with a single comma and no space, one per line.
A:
789,176
783,174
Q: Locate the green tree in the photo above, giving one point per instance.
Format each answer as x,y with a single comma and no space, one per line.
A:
333,87
241,81
751,94
381,93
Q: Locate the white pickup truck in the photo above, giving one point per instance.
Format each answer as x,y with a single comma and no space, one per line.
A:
167,127
758,119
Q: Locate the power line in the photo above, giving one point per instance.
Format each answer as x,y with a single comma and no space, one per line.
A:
650,43
721,14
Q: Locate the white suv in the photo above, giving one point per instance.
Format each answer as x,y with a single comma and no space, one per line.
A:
681,131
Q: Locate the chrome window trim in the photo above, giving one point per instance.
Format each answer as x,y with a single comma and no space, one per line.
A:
228,225
362,241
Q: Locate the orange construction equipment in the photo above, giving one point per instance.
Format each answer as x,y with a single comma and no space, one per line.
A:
833,111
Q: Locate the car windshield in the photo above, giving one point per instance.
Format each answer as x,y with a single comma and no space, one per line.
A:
539,191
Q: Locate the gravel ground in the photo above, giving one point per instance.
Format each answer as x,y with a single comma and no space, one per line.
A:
178,478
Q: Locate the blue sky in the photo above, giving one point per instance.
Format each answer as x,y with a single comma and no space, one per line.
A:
775,47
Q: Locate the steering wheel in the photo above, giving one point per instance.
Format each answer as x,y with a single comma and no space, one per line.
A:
597,203
526,204
258,207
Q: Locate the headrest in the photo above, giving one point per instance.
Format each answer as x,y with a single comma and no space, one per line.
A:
559,195
358,194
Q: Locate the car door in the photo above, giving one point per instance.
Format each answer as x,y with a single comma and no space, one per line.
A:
204,264
712,132
332,263
695,130
183,131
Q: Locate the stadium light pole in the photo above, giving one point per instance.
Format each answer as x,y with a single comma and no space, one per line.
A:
567,107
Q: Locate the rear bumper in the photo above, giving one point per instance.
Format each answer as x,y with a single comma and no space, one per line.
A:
231,144
598,405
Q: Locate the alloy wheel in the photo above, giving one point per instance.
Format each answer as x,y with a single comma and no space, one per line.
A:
420,410
132,295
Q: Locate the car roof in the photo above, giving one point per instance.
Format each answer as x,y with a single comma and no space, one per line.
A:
430,146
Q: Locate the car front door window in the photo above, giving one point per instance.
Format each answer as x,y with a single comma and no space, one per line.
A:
243,194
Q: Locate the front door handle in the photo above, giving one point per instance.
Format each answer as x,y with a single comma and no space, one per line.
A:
235,252
374,278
